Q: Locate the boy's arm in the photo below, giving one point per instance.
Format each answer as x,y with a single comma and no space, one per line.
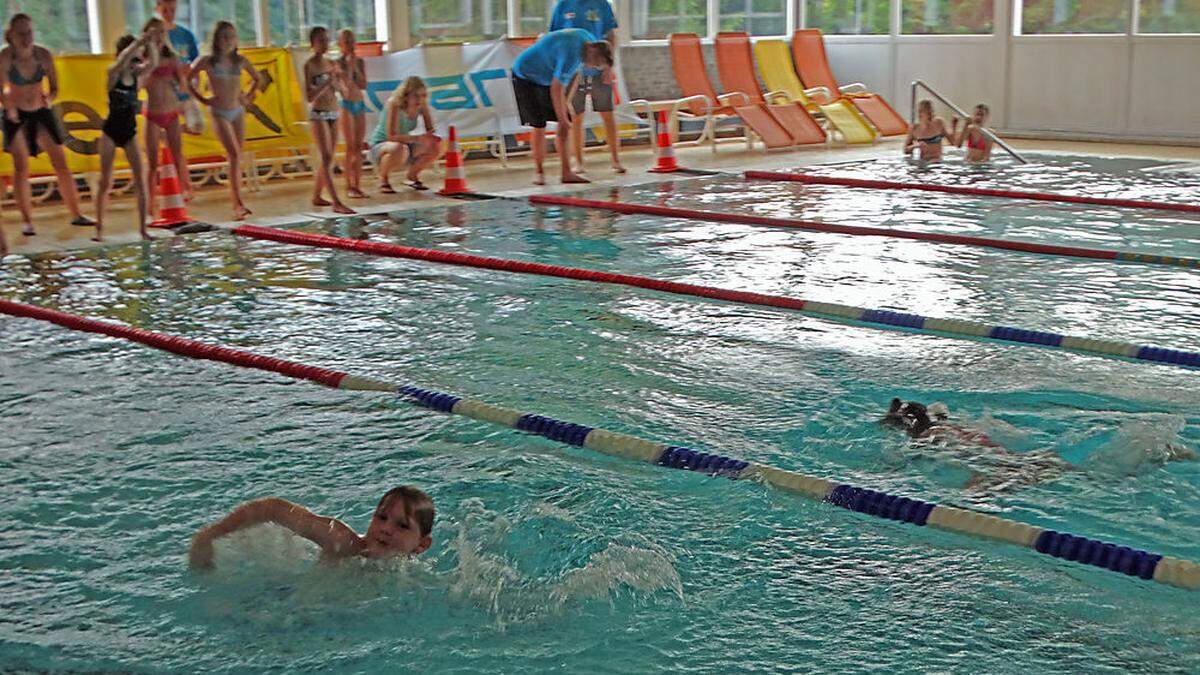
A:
331,534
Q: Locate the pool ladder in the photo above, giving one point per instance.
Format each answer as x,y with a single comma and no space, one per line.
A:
920,84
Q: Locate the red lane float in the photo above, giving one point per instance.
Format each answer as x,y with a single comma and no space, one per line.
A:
858,230
964,190
177,345
465,259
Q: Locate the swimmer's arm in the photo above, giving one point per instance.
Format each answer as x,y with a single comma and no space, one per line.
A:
332,535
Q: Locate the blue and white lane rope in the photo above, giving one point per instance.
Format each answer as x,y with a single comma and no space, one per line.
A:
1123,559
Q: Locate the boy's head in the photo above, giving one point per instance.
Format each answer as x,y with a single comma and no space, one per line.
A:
910,416
598,54
401,524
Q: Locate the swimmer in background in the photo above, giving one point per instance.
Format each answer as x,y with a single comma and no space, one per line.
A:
979,144
400,526
927,134
1008,469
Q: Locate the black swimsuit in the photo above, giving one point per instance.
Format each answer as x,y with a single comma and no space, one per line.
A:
121,125
30,120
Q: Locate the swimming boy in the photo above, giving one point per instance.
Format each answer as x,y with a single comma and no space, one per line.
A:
401,525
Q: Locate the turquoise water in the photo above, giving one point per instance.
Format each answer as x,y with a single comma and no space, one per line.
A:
555,558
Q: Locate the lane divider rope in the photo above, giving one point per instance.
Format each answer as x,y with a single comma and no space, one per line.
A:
861,230
966,190
1126,560
878,317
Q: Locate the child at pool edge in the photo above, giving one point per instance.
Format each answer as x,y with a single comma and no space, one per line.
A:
401,525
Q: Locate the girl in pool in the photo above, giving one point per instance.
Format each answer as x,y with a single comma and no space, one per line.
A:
401,525
228,102
354,110
120,127
28,87
979,144
163,84
321,81
394,142
927,134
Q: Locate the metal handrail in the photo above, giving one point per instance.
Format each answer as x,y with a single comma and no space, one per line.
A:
953,106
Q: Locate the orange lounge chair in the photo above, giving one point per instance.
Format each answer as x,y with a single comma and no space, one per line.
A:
808,52
700,100
735,64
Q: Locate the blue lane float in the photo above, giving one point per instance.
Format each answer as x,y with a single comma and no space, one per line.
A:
1123,559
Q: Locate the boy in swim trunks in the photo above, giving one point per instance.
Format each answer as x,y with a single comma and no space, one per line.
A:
401,525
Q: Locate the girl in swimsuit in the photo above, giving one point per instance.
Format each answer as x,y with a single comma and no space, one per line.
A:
321,80
354,110
979,145
162,84
120,128
228,101
927,134
29,123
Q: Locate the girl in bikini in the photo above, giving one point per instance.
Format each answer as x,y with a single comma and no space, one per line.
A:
228,102
979,144
120,128
354,110
321,80
927,134
395,143
28,87
162,84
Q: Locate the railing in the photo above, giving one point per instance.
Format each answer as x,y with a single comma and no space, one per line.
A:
912,118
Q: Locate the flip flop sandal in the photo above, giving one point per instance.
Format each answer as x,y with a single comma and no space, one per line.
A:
387,189
417,185
83,221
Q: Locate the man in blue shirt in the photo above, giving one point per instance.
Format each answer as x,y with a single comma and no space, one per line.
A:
183,41
542,76
596,17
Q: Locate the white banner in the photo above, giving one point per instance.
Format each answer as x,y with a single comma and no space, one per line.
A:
469,86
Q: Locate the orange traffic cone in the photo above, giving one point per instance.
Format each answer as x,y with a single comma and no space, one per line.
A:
171,210
456,174
666,151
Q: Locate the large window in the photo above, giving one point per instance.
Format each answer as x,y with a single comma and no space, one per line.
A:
655,19
58,25
535,16
1074,16
946,17
849,17
1169,16
756,17
199,16
292,19
457,20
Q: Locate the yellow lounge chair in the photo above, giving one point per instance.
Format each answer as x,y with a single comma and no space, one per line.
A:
775,66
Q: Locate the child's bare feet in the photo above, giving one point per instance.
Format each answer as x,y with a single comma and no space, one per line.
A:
339,207
355,193
317,201
569,177
616,166
539,178
240,212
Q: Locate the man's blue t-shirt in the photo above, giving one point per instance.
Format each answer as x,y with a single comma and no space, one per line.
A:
556,56
184,43
594,16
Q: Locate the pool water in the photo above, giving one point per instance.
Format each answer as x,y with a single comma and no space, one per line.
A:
547,557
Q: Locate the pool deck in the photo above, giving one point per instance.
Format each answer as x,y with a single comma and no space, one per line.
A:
286,199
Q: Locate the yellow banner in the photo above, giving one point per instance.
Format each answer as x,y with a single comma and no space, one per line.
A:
82,105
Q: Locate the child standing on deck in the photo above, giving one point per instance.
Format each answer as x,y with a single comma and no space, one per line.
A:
162,110
401,525
228,102
321,82
120,127
354,110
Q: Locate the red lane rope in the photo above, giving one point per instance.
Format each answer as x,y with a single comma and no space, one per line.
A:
465,259
857,230
964,190
177,345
